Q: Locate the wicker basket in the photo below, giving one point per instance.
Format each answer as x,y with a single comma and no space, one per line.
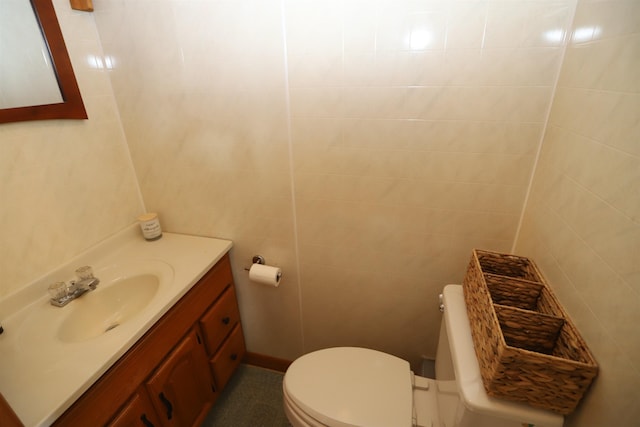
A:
527,347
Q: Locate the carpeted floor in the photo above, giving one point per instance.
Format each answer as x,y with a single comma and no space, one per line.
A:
252,398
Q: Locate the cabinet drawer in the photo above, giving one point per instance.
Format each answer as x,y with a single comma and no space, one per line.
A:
227,359
220,320
217,279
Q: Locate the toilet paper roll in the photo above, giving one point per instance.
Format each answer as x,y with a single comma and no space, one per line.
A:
265,274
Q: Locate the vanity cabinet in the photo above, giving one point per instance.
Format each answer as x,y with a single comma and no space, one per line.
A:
174,373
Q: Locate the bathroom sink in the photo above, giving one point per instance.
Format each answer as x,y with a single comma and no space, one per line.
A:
57,353
104,309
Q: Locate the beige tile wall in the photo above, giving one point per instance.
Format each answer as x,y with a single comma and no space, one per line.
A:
201,87
582,221
64,185
363,146
414,130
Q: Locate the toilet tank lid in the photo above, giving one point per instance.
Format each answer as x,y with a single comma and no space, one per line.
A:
467,370
352,387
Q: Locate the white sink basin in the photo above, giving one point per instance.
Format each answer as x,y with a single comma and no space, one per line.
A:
106,308
126,290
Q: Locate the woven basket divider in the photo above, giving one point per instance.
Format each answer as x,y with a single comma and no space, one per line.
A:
512,266
551,370
528,330
513,292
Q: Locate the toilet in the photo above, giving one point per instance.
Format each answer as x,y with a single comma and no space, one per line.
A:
358,387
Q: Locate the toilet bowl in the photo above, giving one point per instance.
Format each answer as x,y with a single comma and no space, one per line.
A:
358,387
351,386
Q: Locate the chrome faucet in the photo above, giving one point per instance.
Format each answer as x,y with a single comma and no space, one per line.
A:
63,293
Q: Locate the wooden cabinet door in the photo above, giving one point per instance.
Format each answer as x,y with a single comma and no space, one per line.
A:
138,412
181,389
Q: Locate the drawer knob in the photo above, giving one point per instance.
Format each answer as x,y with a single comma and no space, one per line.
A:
234,356
226,320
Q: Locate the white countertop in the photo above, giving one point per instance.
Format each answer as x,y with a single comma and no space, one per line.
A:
40,375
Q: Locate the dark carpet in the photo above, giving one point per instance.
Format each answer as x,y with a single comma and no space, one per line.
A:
252,398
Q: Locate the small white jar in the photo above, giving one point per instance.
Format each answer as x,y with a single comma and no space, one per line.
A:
150,226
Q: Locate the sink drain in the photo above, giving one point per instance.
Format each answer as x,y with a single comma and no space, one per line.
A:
110,327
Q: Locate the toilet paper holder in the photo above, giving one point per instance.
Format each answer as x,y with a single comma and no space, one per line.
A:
257,259
264,274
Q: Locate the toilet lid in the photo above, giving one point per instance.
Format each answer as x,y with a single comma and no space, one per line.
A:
352,387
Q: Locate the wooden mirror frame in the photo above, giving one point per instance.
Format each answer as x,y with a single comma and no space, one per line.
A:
72,106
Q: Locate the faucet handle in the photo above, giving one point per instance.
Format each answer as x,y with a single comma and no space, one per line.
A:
58,290
84,272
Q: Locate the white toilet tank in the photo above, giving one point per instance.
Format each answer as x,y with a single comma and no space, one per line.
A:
467,403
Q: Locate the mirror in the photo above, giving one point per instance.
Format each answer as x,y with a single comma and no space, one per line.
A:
36,78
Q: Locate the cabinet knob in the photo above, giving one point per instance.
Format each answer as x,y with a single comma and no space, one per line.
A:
234,356
226,320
